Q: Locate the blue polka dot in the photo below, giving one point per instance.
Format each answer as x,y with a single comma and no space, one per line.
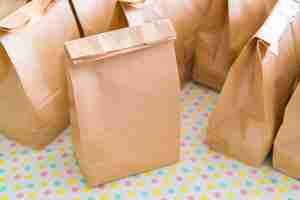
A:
117,196
2,171
171,191
249,184
53,165
210,168
30,185
197,188
57,183
28,168
2,188
144,194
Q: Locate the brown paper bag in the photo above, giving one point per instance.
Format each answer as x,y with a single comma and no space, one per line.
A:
286,146
187,17
218,48
124,93
94,16
9,6
33,97
252,102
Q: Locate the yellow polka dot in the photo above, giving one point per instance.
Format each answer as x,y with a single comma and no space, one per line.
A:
50,157
156,192
60,191
230,195
56,173
282,189
2,178
18,187
203,197
104,197
28,177
77,198
4,197
2,162
114,185
44,183
183,189
31,195
242,174
258,193
211,186
140,184
72,181
131,194
87,189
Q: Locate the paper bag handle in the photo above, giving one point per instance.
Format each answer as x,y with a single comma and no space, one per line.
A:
24,15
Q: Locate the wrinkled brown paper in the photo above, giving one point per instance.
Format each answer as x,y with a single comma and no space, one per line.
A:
33,97
94,16
217,48
188,18
124,101
286,145
252,102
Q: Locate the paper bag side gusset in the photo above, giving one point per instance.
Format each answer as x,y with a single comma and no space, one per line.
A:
286,145
256,91
98,59
213,59
36,82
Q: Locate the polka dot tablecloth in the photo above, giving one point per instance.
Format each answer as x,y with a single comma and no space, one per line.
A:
200,175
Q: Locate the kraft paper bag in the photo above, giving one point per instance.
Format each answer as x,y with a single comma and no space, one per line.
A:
124,92
259,84
94,16
218,48
9,6
286,145
33,96
188,17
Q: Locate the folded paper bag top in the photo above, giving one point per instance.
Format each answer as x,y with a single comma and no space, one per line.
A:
217,49
260,82
33,95
124,92
187,17
9,6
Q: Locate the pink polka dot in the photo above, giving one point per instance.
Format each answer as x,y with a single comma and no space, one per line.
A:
296,187
270,189
190,198
127,183
20,195
179,178
75,189
69,172
204,176
44,173
217,195
229,173
243,192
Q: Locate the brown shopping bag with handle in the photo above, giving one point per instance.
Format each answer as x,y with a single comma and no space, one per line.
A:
251,105
124,92
188,17
218,47
9,6
286,145
33,96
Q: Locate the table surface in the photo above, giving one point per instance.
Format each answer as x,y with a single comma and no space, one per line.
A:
200,175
